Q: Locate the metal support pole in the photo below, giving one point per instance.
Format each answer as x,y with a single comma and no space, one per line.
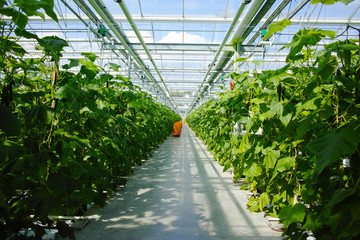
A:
98,5
227,35
142,42
237,55
129,66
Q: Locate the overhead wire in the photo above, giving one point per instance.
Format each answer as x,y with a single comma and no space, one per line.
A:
138,34
312,12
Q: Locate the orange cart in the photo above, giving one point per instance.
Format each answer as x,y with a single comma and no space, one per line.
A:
177,128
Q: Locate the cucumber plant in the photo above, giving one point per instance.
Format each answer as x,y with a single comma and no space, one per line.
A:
297,135
66,140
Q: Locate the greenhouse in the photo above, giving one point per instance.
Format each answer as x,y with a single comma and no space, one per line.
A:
159,119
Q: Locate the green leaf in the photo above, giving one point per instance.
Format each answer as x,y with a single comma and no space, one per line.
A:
62,184
46,115
327,64
264,200
73,93
249,124
245,144
279,197
40,14
101,104
305,37
91,56
350,47
277,27
48,6
53,46
328,33
31,7
338,196
53,43
62,92
333,145
284,163
105,78
89,69
257,62
74,63
312,104
331,2
270,159
307,190
277,108
86,195
42,202
65,231
256,101
10,46
289,214
25,34
239,60
20,19
41,113
114,67
7,12
253,171
81,142
303,127
100,199
8,122
346,2
325,2
253,204
286,119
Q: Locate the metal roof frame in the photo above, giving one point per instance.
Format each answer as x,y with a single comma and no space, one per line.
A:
174,70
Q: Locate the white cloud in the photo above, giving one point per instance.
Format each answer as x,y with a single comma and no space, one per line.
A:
147,36
178,37
42,34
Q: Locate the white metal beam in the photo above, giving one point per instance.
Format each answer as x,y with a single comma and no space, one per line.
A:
186,47
142,42
226,37
108,18
194,19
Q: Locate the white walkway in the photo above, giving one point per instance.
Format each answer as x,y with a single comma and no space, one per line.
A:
180,193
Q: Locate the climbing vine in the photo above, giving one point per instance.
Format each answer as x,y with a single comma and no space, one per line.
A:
293,134
66,140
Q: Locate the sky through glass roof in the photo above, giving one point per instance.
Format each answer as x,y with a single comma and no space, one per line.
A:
183,37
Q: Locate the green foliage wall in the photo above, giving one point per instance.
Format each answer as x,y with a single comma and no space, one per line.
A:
297,127
66,140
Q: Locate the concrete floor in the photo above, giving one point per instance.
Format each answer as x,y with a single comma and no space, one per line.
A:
180,193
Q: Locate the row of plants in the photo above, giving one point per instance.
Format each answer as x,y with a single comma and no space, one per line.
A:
293,134
66,139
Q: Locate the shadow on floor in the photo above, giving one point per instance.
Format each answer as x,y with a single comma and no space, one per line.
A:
180,193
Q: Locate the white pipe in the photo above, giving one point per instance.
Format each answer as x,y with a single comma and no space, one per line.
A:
227,35
143,44
110,22
248,16
177,19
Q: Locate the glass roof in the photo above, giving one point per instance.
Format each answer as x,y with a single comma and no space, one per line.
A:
183,37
